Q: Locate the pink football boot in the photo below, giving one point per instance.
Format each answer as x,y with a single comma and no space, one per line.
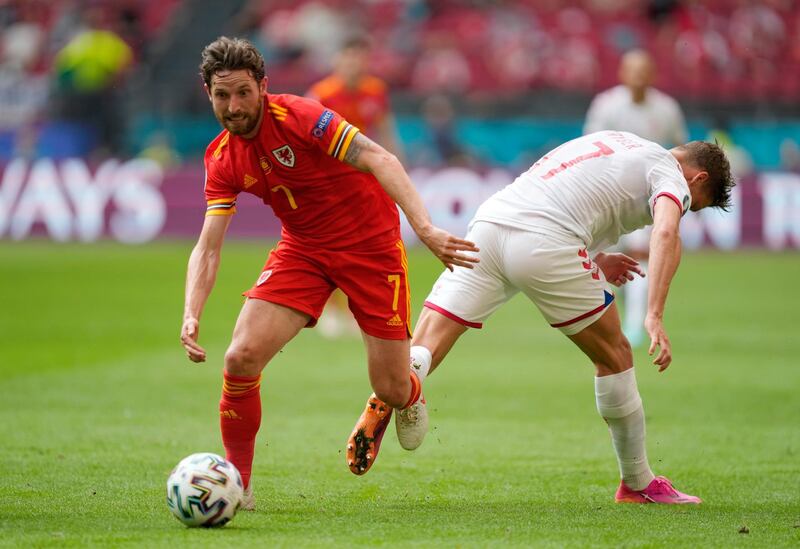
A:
660,490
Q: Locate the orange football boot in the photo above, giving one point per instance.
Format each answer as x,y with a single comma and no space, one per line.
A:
365,440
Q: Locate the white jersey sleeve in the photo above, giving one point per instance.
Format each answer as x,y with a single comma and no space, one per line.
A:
664,180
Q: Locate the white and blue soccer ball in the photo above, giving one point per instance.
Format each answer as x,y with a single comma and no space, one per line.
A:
204,490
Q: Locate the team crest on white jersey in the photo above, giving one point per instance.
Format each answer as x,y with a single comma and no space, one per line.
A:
284,155
264,276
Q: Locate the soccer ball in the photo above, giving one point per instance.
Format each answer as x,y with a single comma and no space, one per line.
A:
204,490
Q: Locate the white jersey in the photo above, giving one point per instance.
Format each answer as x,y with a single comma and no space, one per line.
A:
596,187
658,118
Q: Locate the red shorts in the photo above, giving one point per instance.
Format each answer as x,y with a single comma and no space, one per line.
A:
374,281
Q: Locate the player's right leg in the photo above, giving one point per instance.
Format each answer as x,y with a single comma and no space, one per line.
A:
263,328
620,405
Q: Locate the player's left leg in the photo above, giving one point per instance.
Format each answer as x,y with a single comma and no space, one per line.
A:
261,331
620,405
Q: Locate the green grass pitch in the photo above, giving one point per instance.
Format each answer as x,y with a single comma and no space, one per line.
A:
98,403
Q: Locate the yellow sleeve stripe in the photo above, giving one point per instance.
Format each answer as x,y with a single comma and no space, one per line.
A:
278,115
347,135
231,200
221,206
336,135
276,107
230,211
222,143
352,131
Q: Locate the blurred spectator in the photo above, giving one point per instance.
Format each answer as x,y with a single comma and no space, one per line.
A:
362,99
439,116
23,89
89,70
634,106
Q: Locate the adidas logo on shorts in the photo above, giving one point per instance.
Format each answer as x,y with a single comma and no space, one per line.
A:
395,321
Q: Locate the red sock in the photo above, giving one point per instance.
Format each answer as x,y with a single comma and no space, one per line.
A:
416,390
239,420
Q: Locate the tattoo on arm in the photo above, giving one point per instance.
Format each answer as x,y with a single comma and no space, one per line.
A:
360,142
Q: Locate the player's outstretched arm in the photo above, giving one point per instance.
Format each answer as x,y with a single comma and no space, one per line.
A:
200,277
665,255
366,155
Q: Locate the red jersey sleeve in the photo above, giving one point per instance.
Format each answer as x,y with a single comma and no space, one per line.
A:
314,125
220,194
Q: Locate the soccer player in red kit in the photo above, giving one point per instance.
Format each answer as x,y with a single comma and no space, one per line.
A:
334,191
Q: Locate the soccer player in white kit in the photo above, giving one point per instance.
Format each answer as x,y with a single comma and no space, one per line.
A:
637,107
543,235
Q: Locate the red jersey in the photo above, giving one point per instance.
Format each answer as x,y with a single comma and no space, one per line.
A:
365,106
295,165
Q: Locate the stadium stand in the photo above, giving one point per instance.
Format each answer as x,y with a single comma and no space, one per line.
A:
497,62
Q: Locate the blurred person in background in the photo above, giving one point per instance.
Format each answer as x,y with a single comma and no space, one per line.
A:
439,115
363,100
635,106
23,87
89,71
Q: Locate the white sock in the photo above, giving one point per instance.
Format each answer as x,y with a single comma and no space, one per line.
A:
420,362
619,403
635,302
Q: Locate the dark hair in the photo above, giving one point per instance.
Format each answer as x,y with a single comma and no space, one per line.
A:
230,54
711,158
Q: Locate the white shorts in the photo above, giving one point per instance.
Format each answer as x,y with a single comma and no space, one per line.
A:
555,273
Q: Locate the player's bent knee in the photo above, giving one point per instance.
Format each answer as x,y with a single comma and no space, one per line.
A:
243,361
393,394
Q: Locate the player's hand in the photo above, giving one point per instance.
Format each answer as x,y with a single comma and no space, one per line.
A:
618,268
189,332
448,248
658,339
